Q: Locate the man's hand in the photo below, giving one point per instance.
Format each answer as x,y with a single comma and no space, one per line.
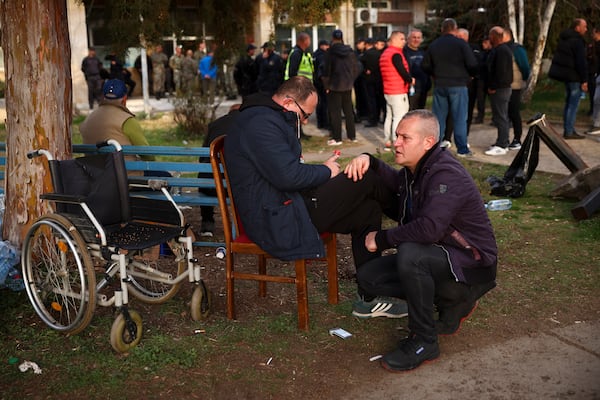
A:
357,167
332,164
370,242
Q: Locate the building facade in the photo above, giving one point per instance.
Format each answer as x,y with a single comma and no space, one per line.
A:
377,19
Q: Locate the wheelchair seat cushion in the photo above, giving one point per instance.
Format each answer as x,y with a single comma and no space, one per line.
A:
139,235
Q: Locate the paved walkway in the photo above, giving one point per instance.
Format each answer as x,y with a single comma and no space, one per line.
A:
480,139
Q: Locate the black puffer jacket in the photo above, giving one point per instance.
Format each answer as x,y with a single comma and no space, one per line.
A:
569,63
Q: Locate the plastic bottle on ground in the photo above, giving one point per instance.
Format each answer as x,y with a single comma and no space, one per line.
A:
499,204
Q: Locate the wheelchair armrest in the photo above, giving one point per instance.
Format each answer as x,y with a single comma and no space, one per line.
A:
64,198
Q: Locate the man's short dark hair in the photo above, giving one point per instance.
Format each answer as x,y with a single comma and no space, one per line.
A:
576,22
298,87
448,25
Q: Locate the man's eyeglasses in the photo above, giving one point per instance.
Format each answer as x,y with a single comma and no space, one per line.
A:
305,116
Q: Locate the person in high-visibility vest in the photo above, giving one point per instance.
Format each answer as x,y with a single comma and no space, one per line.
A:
300,61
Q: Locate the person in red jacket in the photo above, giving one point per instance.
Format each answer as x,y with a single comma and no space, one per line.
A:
396,83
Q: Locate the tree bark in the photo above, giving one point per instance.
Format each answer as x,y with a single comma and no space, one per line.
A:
37,53
512,17
521,28
540,47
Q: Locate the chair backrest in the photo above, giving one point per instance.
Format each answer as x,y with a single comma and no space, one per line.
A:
101,178
231,223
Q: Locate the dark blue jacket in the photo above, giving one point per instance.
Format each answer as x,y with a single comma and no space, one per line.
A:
439,199
450,61
263,156
269,73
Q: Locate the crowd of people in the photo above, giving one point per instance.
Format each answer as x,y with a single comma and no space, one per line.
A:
183,73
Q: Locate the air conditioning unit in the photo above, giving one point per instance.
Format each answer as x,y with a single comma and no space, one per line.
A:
366,15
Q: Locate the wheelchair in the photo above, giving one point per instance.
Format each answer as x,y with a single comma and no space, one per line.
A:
104,242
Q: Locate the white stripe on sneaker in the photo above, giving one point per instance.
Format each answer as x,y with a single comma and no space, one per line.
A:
381,307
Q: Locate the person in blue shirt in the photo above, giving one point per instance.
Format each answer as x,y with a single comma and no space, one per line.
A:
207,70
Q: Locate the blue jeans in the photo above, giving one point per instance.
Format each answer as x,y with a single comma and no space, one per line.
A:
454,100
573,95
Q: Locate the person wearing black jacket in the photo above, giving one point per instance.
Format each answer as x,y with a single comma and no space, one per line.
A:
284,203
341,69
319,60
451,63
269,66
372,78
569,65
244,73
500,77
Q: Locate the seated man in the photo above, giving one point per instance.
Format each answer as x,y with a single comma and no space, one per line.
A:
446,249
284,203
113,120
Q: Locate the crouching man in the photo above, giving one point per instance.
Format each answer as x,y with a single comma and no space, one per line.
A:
446,250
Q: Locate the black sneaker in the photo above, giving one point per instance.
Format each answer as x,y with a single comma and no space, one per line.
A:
573,135
450,318
515,145
411,352
207,228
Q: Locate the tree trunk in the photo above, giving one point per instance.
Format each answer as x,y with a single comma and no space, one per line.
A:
539,48
521,28
512,18
518,29
37,59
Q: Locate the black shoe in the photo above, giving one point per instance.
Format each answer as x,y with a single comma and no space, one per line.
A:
515,145
450,318
371,125
573,135
411,352
207,228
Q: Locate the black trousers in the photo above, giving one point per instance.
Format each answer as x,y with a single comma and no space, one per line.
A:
418,100
373,110
514,113
338,101
322,114
418,273
344,206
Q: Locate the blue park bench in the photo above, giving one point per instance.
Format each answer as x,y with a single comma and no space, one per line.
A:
181,162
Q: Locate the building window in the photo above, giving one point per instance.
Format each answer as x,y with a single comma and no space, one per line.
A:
380,4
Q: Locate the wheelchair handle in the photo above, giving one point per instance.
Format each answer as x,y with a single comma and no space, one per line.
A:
39,152
110,142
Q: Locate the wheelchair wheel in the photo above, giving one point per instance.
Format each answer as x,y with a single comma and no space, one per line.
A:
168,259
59,275
201,302
125,336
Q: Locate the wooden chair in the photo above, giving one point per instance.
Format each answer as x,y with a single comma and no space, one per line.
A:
237,242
